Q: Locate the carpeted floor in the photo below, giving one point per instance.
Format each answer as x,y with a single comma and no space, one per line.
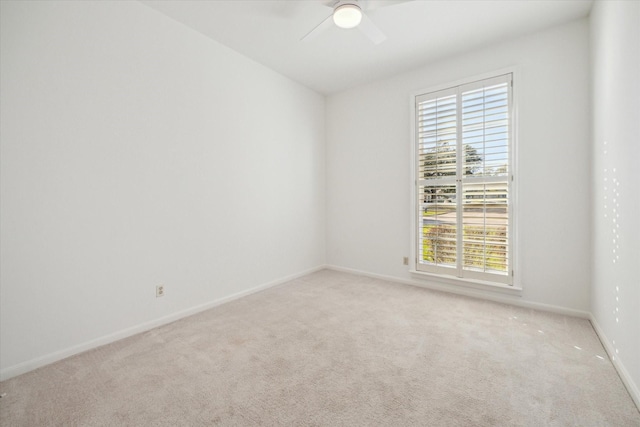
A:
334,349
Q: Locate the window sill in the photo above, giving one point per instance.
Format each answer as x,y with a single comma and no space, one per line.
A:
468,283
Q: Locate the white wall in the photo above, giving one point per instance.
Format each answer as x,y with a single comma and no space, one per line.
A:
368,165
136,152
615,301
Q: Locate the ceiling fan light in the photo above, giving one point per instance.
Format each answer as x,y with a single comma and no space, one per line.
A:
347,16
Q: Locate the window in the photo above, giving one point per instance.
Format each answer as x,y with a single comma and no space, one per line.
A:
464,149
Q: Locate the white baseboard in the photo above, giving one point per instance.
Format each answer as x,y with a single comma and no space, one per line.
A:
491,296
628,382
38,362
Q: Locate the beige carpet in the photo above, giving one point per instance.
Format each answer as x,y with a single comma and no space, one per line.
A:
334,349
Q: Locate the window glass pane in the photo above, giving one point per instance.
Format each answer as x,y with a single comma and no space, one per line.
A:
437,137
485,227
485,130
438,225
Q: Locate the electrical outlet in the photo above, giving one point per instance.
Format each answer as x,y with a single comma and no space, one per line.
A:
405,260
159,291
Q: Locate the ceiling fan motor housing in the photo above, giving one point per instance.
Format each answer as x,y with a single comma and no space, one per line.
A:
347,14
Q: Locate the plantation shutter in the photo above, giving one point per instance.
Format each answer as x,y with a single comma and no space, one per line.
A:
463,143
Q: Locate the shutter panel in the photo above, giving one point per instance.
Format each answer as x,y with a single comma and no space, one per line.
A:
485,130
437,136
485,185
437,118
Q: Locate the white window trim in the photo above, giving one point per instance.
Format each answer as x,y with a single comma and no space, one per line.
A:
516,286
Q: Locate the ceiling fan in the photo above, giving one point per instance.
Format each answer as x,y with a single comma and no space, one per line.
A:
349,14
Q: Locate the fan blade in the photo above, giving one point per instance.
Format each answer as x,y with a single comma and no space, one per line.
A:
370,30
319,29
377,4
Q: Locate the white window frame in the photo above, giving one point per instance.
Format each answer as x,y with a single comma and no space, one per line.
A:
445,275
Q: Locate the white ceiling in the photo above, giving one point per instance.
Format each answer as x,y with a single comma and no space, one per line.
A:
418,32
